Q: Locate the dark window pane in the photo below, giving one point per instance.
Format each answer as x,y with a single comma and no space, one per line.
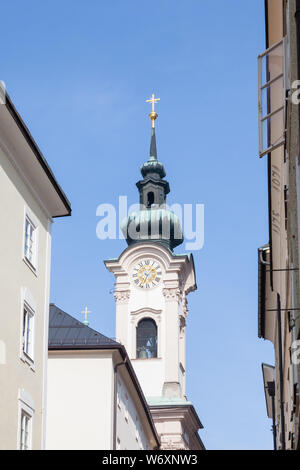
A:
150,199
146,339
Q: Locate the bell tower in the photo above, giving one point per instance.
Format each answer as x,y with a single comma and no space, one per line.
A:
151,288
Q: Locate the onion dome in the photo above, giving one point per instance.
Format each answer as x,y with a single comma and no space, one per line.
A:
155,225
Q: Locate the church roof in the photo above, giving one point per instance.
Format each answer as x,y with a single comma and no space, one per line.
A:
65,332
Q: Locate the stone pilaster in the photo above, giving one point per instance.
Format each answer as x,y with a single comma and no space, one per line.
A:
122,301
171,387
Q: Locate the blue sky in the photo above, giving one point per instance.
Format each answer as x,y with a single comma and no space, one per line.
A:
79,73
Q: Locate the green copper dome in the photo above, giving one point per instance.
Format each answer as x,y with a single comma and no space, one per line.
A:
155,225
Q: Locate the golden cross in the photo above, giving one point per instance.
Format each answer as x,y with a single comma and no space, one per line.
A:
153,115
85,313
153,100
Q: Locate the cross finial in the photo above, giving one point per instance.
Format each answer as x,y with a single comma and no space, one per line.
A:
153,115
85,313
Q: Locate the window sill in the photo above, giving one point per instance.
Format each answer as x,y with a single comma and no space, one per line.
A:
30,265
27,359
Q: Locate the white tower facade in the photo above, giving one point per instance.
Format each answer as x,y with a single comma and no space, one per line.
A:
161,372
151,288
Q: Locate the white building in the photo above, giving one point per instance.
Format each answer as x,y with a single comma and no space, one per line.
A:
151,288
30,199
94,398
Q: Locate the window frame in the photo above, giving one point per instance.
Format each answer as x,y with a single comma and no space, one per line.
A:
119,394
33,262
126,406
28,304
28,332
25,431
261,87
136,317
25,410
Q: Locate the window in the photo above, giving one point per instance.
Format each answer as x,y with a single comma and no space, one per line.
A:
30,241
25,430
271,104
146,339
150,199
119,392
25,419
137,432
28,309
27,331
126,413
118,443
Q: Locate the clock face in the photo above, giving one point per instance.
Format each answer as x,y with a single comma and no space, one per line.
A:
147,273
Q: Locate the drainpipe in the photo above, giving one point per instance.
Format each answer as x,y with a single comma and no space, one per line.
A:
297,19
280,373
297,325
271,392
115,402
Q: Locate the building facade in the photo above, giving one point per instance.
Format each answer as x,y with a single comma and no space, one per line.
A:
151,288
30,199
95,401
278,260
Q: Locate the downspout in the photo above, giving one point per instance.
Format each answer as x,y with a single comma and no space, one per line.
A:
280,373
297,325
297,19
115,402
269,156
271,391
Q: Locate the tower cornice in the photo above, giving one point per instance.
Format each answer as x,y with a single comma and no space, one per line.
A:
178,264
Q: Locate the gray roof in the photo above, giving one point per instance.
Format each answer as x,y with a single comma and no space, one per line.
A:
67,332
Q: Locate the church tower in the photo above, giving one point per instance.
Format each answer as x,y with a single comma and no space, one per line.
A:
151,288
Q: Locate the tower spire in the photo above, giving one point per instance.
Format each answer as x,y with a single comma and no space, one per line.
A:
153,116
153,150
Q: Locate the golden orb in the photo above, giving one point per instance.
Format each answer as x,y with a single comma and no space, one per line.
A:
153,115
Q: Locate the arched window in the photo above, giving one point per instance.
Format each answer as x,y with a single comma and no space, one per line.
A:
146,339
150,199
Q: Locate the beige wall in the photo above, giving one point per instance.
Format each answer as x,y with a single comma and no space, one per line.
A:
15,278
